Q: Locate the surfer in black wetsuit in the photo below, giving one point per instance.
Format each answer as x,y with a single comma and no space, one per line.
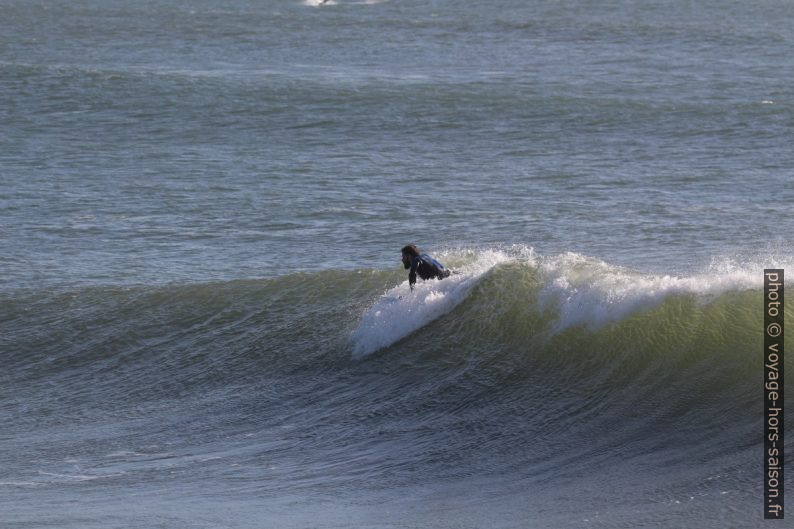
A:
422,264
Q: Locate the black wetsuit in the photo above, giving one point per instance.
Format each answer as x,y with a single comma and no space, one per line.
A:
426,267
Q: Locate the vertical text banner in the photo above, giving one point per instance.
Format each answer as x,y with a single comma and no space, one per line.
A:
773,394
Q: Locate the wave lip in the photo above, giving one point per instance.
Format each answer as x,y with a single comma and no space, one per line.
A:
401,311
593,293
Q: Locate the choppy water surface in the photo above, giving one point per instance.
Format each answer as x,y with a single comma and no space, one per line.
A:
203,321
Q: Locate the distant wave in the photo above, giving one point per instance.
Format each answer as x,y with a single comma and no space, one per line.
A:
321,3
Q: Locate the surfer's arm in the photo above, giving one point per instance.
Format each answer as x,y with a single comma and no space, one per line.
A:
412,273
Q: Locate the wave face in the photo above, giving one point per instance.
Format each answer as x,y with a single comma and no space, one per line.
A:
521,380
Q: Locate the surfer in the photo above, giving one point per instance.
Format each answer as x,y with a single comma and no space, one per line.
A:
422,264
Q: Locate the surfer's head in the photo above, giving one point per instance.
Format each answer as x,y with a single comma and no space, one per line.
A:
409,252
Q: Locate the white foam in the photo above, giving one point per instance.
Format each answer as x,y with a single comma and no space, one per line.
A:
401,311
321,3
19,484
590,292
54,477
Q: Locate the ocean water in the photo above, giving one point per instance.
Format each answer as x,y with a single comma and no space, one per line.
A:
204,322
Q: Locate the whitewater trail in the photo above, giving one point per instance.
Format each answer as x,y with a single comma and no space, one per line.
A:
401,311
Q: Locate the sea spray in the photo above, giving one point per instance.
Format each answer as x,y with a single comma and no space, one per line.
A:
402,310
590,292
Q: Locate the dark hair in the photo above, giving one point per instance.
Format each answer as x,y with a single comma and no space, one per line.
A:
410,250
